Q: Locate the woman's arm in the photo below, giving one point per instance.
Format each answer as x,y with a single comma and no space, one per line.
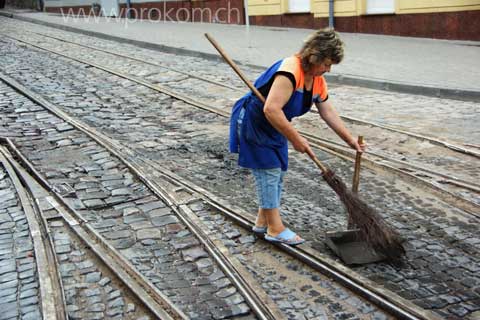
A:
331,117
278,97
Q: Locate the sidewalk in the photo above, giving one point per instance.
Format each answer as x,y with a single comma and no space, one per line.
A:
414,65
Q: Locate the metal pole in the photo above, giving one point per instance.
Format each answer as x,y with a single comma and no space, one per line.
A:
245,6
129,6
330,14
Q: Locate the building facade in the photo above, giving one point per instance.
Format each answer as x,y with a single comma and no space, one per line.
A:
441,19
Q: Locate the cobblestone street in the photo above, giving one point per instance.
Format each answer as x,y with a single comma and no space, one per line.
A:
439,220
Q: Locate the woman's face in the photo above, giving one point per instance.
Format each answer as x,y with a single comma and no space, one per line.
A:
324,66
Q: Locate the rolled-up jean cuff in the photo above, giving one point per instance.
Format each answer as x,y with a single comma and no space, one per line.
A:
269,184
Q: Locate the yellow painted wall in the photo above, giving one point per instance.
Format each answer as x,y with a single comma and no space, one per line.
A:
341,8
265,7
348,8
417,6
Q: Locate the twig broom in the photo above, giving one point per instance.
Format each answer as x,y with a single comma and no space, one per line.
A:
374,229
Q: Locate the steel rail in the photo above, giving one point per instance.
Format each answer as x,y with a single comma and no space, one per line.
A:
156,64
142,82
472,145
440,142
262,310
446,195
129,159
51,288
469,207
444,177
397,306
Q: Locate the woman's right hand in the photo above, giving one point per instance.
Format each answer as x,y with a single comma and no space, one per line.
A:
301,145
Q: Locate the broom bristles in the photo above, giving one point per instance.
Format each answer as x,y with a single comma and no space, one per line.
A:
376,232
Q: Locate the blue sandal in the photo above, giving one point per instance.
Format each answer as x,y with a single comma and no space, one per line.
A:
261,230
287,236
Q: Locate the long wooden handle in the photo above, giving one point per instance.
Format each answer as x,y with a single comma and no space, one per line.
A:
234,67
356,173
319,164
250,85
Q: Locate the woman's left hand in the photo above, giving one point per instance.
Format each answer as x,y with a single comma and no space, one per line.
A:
358,147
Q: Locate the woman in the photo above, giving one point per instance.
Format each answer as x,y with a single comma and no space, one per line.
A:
259,132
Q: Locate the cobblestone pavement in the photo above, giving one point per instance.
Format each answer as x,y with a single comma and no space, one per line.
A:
296,289
432,158
441,268
406,112
91,294
19,287
123,211
91,290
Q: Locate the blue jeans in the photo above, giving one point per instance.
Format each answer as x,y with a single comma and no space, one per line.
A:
268,182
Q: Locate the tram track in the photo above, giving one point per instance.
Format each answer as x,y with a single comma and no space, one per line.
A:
443,184
441,142
177,193
72,222
51,289
259,307
137,154
174,198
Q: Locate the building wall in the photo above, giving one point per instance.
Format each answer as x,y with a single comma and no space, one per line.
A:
444,19
424,6
209,11
69,3
343,8
24,4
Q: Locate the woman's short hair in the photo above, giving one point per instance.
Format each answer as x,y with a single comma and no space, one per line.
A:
322,44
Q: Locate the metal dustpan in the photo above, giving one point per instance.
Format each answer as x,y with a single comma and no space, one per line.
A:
349,245
350,248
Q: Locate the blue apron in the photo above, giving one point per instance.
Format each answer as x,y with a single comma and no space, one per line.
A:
260,145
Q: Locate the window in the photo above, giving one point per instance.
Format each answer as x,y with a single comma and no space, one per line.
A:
380,6
299,6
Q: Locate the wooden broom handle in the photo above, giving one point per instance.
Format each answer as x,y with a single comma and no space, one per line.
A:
319,164
234,67
255,91
356,173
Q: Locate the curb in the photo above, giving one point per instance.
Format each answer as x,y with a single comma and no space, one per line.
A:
447,93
